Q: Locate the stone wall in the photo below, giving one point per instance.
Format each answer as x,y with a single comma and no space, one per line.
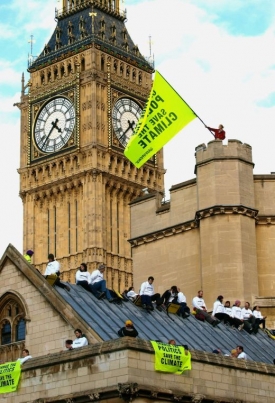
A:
123,370
216,233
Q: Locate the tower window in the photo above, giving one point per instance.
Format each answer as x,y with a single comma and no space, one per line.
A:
83,64
115,66
102,62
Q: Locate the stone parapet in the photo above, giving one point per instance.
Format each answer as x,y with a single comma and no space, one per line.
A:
123,370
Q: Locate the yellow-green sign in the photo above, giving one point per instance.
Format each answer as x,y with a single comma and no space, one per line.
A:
9,376
164,115
170,358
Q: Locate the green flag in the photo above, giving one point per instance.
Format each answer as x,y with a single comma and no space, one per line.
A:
170,358
9,376
164,115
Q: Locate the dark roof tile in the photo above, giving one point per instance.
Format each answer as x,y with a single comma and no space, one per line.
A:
106,319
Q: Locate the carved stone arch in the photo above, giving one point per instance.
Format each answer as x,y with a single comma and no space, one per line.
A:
42,77
13,309
49,74
17,297
55,72
115,64
62,69
69,67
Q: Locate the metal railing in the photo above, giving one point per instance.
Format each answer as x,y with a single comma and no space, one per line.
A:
78,5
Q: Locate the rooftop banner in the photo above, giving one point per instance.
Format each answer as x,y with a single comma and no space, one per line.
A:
171,358
164,115
9,376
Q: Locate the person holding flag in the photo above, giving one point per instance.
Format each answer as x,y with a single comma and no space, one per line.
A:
219,133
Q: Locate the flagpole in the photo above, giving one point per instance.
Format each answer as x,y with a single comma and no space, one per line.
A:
188,105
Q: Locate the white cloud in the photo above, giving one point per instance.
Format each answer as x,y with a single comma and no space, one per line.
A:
223,77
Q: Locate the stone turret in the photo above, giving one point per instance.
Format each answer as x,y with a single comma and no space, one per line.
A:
226,212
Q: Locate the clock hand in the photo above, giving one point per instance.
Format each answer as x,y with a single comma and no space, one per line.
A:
130,127
50,132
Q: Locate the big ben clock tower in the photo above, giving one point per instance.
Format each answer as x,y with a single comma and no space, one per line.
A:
85,94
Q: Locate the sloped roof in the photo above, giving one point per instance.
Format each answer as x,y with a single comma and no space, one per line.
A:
100,320
106,319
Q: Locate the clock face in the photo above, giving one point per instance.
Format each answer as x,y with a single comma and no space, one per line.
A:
125,115
54,125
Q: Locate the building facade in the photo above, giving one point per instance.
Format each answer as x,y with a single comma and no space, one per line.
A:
78,110
216,233
112,369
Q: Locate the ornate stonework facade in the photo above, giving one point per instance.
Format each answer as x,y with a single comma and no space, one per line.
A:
216,233
75,183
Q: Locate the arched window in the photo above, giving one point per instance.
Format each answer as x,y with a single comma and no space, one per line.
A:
20,332
13,317
6,333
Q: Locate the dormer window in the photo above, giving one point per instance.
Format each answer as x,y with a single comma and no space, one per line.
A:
46,50
124,34
113,30
58,34
102,24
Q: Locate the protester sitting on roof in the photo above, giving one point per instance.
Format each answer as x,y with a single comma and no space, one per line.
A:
201,309
131,294
128,330
234,353
28,255
26,356
99,284
259,318
249,319
69,344
216,351
53,267
147,294
228,311
184,309
219,311
80,340
169,296
237,319
83,277
241,353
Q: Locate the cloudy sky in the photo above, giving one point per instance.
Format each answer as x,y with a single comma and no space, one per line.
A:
218,54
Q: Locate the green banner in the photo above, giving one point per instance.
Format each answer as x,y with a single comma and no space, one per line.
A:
9,376
170,358
164,115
